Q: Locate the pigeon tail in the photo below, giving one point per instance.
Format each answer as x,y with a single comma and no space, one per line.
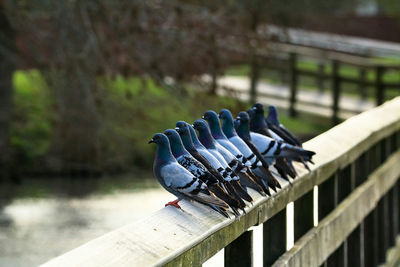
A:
248,181
240,190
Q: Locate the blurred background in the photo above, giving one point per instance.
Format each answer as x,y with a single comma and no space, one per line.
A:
85,84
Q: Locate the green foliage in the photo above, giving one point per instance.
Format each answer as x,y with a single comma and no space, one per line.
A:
31,128
131,109
137,108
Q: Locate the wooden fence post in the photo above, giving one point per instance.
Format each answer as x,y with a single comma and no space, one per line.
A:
293,83
321,76
379,86
274,238
362,87
239,252
335,91
254,76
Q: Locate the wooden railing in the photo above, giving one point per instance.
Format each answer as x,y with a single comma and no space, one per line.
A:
357,170
285,60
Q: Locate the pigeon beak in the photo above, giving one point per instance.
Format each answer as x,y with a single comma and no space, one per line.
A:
254,108
177,129
203,117
238,118
151,141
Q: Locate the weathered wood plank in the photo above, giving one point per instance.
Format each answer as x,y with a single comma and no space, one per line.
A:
315,247
194,234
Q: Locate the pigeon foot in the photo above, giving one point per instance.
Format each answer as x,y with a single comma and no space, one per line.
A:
174,203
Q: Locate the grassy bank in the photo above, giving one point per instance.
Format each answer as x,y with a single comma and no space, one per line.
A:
131,110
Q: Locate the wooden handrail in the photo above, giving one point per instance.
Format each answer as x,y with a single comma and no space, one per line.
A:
190,236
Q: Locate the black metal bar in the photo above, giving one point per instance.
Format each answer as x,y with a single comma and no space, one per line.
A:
335,92
303,215
274,238
239,252
293,83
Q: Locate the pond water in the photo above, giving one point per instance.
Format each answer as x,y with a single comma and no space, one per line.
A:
36,229
41,218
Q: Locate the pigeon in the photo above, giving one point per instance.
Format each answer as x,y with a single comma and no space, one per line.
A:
198,170
212,118
209,161
258,125
209,143
230,133
239,164
244,133
271,149
274,124
179,181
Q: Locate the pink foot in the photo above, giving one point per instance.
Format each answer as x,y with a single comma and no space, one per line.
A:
173,203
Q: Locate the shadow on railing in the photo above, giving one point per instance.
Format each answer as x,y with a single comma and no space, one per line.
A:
356,170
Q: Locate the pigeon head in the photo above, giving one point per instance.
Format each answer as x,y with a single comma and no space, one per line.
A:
243,117
159,139
212,118
200,125
182,128
204,133
242,126
175,142
258,108
185,131
257,120
273,115
225,114
227,123
163,153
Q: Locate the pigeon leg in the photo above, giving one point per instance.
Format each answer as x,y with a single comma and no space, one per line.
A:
174,203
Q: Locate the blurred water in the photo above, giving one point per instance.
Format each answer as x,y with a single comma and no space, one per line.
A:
34,230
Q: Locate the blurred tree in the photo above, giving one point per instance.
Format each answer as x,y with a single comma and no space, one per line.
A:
7,67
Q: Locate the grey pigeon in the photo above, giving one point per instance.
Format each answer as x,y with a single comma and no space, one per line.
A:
199,152
244,132
179,181
209,143
185,159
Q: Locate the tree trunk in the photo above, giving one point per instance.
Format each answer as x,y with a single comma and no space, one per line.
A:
254,66
7,67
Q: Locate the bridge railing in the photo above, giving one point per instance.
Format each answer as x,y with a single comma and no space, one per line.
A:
357,174
342,71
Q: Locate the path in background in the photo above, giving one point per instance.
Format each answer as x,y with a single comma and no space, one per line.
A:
309,101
